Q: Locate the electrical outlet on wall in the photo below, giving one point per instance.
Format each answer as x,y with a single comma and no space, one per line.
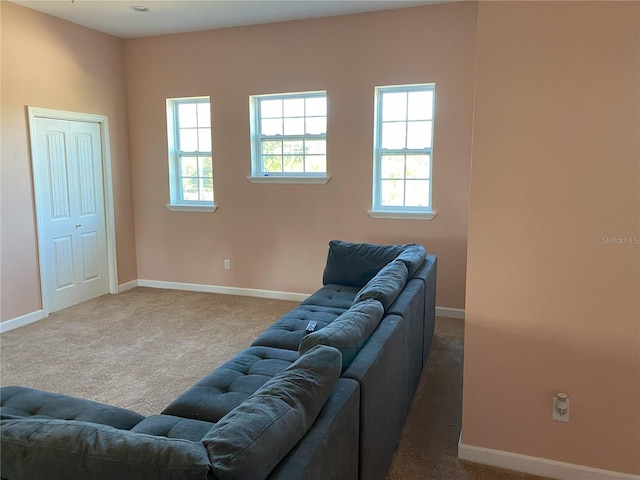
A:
227,264
560,407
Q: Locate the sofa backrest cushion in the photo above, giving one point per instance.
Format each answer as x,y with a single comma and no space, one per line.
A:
38,448
355,264
349,332
412,256
248,442
386,285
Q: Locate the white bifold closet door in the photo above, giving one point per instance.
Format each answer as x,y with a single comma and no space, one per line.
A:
70,195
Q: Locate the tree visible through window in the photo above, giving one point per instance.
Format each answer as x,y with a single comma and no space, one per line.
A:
289,134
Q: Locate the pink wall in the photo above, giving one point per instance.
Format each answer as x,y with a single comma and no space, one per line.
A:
276,235
552,300
550,306
47,62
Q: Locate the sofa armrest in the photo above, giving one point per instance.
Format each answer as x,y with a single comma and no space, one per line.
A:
378,368
410,306
329,450
427,273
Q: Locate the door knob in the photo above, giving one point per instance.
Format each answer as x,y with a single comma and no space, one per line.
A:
78,226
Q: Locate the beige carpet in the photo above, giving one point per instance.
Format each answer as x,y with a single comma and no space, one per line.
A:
142,348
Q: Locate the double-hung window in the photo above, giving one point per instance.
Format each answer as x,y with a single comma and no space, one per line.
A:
403,144
190,154
289,137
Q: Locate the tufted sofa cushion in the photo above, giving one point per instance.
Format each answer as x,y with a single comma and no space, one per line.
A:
333,296
386,285
291,328
355,264
24,402
173,427
349,332
230,384
252,439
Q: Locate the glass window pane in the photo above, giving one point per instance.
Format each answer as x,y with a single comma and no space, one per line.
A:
294,126
188,167
271,127
293,146
394,106
189,140
187,115
272,163
316,126
420,105
271,146
270,108
419,134
293,163
294,107
206,167
417,194
204,114
206,189
394,135
392,193
204,140
316,106
392,166
418,166
316,147
190,189
315,163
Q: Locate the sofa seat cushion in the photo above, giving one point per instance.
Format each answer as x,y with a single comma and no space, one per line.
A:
291,327
24,402
349,332
386,285
252,439
230,384
46,449
333,296
355,264
173,427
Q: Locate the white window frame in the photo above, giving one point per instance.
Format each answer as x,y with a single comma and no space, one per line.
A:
258,174
176,199
401,212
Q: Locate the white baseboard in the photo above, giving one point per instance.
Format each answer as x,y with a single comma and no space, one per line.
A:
127,286
450,312
537,466
21,321
246,292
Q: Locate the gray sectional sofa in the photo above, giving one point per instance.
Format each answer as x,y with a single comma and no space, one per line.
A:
300,403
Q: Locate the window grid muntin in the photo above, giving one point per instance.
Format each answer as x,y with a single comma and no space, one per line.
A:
184,154
282,138
200,177
379,152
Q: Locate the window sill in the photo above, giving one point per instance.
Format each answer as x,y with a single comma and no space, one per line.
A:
402,215
288,179
192,208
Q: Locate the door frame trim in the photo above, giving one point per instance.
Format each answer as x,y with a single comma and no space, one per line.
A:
110,229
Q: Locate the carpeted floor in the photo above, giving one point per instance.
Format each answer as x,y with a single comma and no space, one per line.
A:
142,348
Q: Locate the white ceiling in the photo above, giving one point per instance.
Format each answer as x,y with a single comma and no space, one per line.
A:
115,17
